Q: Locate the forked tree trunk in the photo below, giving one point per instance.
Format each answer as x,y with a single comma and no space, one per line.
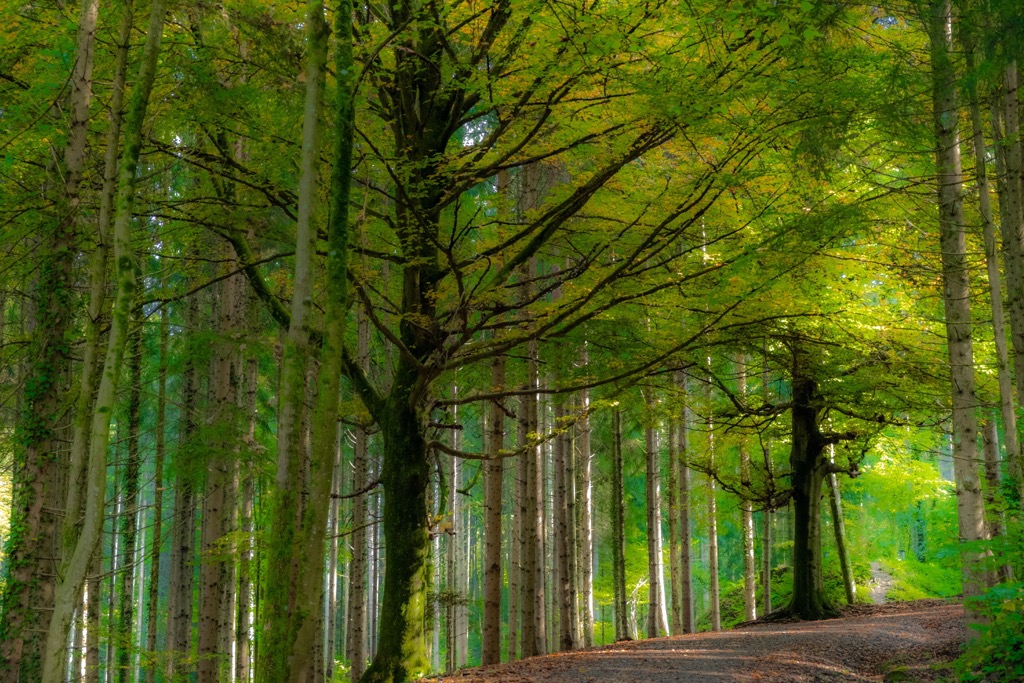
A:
956,290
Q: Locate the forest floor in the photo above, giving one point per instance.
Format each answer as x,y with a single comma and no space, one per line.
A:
897,641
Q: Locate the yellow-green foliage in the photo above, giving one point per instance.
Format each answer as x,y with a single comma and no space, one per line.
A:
918,580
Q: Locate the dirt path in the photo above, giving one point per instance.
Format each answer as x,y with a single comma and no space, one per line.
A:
863,647
881,583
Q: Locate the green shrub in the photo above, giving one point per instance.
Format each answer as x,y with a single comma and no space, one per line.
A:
998,653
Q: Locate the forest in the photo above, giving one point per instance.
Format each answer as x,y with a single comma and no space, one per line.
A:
366,341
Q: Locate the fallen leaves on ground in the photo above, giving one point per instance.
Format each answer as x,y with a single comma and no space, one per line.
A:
898,641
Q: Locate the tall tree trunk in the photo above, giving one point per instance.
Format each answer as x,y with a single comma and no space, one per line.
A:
622,630
767,519
532,596
685,590
34,550
714,594
355,644
585,539
808,466
129,516
75,567
307,618
333,565
515,564
491,645
405,475
746,511
564,593
839,529
657,618
455,559
179,601
674,550
243,618
1011,203
1006,398
956,291
995,517
293,598
92,618
221,456
153,595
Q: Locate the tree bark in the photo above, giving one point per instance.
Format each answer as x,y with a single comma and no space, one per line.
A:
714,594
622,631
808,466
224,439
565,592
129,516
657,618
1013,251
491,645
355,644
585,539
405,475
746,511
685,592
995,517
34,550
956,291
532,595
153,596
1011,202
767,519
75,567
839,529
183,532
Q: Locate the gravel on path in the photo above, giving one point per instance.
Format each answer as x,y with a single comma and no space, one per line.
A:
895,641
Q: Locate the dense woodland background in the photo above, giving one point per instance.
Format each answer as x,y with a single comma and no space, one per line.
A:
378,339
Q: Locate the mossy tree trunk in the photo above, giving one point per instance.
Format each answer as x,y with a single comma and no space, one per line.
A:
74,568
405,473
808,467
33,550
